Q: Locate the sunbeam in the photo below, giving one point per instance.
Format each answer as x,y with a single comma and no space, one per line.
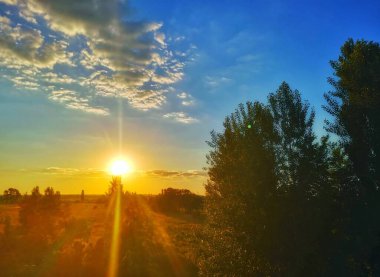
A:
115,242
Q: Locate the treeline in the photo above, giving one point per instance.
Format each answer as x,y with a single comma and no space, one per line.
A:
169,201
280,201
172,200
13,195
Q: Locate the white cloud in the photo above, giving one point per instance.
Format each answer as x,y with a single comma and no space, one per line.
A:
28,15
182,95
181,117
187,99
160,38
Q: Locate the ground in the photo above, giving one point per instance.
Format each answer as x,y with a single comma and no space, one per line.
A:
165,242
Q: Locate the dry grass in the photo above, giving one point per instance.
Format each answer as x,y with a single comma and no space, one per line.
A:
174,235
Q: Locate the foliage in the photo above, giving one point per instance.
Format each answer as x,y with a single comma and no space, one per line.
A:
269,192
354,105
11,195
55,238
178,200
242,184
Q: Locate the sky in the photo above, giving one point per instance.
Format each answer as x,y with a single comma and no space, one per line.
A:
84,82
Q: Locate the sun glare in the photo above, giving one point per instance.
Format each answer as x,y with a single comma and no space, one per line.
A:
120,167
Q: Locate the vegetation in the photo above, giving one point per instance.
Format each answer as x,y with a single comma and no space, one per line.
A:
177,201
11,195
280,203
49,236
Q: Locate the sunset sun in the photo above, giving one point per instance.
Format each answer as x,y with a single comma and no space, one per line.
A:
120,167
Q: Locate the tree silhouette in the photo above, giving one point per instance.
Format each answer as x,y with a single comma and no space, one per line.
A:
355,104
303,187
115,184
240,194
268,192
11,195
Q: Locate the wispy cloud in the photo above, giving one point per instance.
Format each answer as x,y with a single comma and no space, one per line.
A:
181,117
107,54
169,174
73,101
70,171
186,99
216,81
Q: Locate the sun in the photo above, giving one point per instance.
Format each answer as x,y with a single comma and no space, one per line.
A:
120,167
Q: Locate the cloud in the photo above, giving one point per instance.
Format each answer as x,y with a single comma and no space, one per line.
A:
90,47
76,102
216,81
186,99
160,38
28,45
181,117
62,171
170,174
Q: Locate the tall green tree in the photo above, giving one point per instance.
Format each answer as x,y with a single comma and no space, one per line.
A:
268,191
303,188
354,105
240,194
299,157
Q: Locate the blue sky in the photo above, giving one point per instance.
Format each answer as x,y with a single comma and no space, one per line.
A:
179,67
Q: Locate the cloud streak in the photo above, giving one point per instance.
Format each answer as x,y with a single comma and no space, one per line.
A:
171,174
94,173
181,117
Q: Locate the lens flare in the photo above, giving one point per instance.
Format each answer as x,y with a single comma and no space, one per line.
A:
113,266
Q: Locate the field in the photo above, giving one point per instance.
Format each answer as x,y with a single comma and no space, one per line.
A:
151,243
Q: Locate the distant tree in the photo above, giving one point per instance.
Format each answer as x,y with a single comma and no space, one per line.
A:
115,185
11,195
354,105
82,196
36,192
178,200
